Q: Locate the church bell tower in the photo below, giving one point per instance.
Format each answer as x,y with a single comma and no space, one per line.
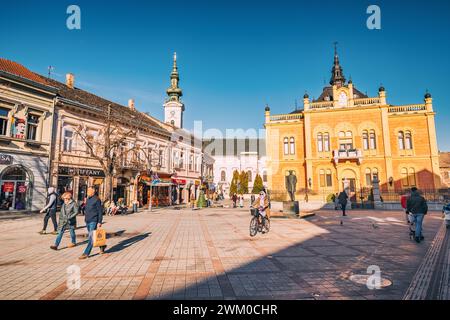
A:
173,107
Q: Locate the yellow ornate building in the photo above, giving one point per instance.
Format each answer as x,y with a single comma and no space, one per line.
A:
346,138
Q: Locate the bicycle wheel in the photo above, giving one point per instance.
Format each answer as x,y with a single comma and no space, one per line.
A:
266,225
253,226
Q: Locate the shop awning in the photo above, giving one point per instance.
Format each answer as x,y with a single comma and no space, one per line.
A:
158,183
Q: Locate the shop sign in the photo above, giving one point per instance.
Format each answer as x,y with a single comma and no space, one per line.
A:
178,181
22,189
8,187
81,172
5,158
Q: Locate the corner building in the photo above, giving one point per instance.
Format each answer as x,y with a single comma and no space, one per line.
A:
345,138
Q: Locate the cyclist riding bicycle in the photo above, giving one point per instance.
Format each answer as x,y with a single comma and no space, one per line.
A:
262,204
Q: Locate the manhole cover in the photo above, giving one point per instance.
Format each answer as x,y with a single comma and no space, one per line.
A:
363,279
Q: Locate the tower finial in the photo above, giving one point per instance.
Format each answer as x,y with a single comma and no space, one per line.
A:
337,74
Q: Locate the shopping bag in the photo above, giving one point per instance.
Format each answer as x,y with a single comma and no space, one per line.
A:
99,238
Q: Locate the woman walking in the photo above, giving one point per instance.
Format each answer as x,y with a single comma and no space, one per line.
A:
67,220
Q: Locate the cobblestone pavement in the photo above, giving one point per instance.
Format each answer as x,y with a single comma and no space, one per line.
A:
208,254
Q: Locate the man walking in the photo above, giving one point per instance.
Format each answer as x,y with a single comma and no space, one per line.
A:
342,198
50,210
417,206
94,218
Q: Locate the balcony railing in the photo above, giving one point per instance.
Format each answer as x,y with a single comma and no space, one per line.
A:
408,108
366,101
344,155
321,105
286,117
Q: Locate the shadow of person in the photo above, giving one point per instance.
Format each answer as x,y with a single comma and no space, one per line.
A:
127,243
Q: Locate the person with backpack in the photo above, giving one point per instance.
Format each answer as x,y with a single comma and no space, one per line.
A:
50,210
418,207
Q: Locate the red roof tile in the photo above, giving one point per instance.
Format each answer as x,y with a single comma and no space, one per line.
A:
20,71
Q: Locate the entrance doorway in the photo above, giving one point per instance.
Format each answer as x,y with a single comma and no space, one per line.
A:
15,189
349,183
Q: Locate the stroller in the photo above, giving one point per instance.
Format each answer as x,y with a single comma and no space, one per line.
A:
412,226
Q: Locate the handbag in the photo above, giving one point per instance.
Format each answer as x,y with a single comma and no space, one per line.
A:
99,238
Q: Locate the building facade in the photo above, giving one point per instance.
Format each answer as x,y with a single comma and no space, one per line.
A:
55,134
80,138
345,139
231,155
444,165
26,119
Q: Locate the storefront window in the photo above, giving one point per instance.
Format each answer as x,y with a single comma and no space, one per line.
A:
82,188
15,189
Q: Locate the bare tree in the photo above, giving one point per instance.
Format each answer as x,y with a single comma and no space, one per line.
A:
115,147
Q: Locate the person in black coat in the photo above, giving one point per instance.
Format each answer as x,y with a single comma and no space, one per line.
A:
418,207
94,219
342,198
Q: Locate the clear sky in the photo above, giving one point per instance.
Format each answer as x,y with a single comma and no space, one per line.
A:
236,56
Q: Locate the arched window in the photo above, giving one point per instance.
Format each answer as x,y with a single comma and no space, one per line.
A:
412,177
365,137
401,140
319,142
249,175
404,175
292,145
372,140
286,146
326,141
408,140
223,176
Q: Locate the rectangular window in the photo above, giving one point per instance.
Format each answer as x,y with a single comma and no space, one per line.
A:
368,179
68,140
322,180
4,121
32,125
329,181
161,158
326,139
320,145
373,144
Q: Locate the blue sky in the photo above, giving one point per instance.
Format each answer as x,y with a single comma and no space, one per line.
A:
236,56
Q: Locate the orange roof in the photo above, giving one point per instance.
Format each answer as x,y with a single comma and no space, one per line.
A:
20,71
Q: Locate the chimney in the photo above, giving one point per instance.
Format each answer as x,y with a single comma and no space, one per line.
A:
70,80
131,104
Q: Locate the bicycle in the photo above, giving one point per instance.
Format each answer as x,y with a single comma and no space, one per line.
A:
258,223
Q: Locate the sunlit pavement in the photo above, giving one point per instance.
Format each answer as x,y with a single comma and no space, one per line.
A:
208,254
